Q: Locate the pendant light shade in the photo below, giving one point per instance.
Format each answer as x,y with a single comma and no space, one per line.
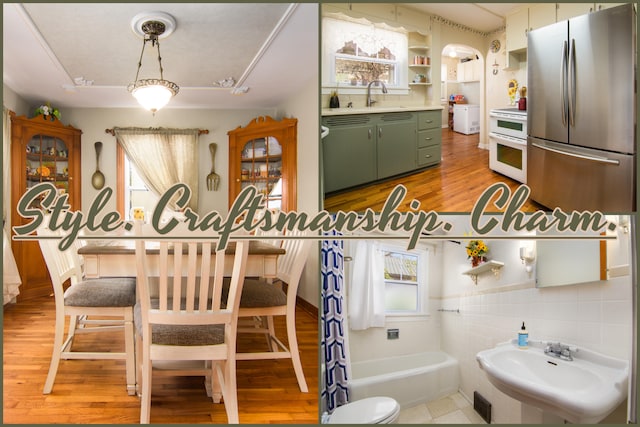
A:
152,94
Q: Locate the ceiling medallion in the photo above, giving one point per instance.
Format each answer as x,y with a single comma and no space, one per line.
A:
153,94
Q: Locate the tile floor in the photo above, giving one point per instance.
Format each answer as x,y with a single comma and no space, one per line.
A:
453,409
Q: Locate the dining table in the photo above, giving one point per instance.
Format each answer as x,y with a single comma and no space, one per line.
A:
117,258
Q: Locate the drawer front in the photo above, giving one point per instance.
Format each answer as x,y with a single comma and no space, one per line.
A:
429,119
429,155
427,138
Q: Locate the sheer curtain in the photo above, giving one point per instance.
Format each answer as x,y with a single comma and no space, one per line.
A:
10,276
366,290
163,157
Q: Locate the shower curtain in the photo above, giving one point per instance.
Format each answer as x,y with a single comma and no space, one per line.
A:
334,345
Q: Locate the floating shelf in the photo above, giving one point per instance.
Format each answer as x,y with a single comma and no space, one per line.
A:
493,266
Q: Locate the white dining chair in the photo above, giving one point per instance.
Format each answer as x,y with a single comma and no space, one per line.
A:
181,316
93,306
262,300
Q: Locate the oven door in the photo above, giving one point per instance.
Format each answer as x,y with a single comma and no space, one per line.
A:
508,156
508,124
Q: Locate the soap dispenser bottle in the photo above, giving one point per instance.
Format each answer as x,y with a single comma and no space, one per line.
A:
523,337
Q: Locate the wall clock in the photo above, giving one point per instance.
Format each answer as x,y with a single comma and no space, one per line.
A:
495,46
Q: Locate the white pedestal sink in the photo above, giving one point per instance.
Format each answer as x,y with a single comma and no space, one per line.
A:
581,391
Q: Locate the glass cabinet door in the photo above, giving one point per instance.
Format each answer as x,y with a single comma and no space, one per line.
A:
261,166
47,161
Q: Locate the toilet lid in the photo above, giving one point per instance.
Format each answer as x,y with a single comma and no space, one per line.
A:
372,410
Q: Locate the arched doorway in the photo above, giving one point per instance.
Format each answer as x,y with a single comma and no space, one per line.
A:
462,75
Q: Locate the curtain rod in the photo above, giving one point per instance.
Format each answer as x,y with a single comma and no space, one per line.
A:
200,131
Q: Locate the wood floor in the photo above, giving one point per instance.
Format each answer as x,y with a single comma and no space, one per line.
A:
453,186
92,392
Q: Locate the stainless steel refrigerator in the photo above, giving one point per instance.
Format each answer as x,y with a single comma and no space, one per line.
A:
581,112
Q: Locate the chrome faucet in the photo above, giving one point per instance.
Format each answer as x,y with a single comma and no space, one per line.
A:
370,101
560,351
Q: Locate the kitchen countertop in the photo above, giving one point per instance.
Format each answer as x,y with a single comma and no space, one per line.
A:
373,110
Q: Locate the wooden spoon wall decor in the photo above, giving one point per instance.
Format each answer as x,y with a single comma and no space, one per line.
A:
97,180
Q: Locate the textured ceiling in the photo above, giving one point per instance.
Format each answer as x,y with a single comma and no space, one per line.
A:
51,49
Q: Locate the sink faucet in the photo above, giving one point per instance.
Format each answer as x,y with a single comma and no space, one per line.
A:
560,351
370,101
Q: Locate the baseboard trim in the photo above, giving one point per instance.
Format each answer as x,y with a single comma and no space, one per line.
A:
307,306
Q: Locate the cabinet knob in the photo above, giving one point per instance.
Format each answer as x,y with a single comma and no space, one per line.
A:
428,138
380,132
369,134
237,179
429,121
427,156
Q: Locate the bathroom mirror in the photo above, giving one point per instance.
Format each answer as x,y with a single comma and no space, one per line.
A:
570,262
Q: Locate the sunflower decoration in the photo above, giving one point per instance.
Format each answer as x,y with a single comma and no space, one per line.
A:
512,90
476,248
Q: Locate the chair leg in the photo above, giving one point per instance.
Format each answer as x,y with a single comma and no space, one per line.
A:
293,349
55,354
138,359
272,333
215,384
129,344
230,391
145,399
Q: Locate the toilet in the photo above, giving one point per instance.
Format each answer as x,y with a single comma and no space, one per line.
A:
372,410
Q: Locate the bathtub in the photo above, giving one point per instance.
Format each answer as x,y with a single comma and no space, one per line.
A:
410,379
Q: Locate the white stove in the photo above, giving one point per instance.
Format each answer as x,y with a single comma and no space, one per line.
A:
508,142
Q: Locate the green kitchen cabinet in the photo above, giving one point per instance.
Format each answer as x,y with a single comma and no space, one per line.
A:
363,148
396,144
429,138
348,152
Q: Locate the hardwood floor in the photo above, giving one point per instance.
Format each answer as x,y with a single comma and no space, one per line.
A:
453,186
94,392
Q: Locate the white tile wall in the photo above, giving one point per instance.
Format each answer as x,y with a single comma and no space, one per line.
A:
596,316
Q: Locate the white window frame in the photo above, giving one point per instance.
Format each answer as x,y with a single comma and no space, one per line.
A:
401,86
422,252
128,189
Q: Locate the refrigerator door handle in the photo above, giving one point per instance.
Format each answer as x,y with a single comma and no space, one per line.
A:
572,83
563,83
579,156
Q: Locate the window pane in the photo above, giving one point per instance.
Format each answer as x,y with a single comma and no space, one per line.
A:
400,266
401,297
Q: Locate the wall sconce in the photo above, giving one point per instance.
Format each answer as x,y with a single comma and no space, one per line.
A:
528,257
495,67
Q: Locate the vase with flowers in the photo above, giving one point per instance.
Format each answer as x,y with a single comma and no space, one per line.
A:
476,251
48,112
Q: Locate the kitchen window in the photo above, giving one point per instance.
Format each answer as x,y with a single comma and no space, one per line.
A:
356,53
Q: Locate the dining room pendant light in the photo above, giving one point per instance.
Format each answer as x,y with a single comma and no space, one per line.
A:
152,94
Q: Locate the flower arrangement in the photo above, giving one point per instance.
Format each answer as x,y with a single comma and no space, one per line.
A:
48,112
512,90
476,249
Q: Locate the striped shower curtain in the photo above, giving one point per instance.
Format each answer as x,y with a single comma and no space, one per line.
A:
335,392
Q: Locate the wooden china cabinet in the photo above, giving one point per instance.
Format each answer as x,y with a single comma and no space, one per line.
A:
42,150
264,154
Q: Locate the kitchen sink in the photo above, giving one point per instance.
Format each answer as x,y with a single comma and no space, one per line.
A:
583,390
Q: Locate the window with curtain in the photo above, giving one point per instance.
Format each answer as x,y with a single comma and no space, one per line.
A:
386,280
355,53
153,161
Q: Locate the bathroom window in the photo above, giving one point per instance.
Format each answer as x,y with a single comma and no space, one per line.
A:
356,53
405,281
